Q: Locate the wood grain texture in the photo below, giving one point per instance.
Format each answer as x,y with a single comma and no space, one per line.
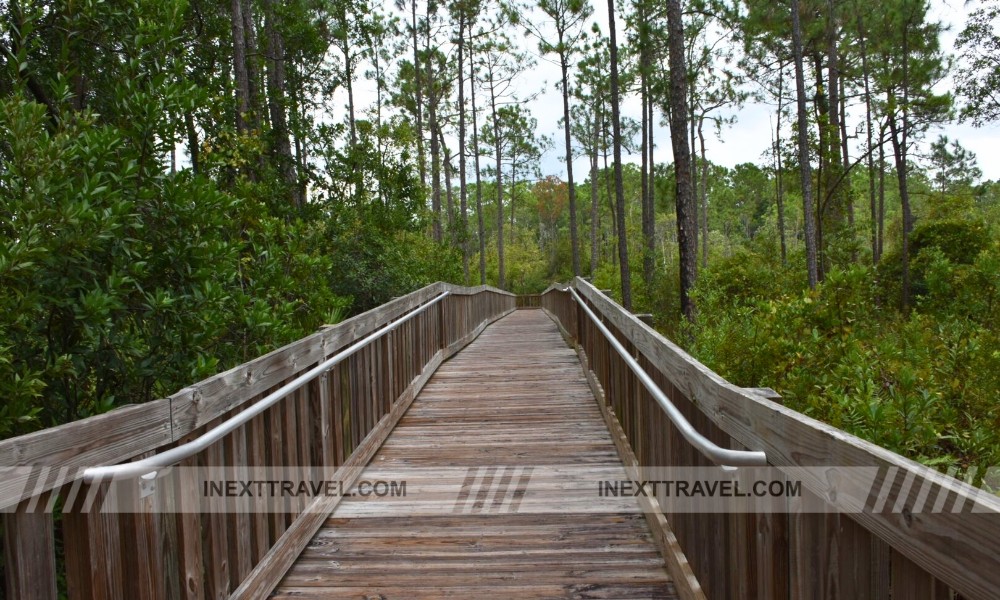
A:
29,550
489,405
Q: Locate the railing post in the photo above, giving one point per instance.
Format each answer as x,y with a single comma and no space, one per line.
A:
443,339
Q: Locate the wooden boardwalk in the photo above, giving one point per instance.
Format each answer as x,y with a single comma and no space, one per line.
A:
515,396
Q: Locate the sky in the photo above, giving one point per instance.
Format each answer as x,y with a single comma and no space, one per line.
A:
745,141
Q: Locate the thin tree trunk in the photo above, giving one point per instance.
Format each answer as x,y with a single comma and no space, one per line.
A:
594,212
692,121
647,271
703,181
686,209
778,174
253,72
462,192
573,233
868,130
650,230
276,84
624,270
609,191
240,65
479,180
881,190
804,167
899,144
435,153
501,267
418,105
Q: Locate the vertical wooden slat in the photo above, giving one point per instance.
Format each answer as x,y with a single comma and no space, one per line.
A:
190,554
257,435
910,582
168,514
240,541
92,545
142,560
278,514
322,410
881,569
338,422
216,543
29,551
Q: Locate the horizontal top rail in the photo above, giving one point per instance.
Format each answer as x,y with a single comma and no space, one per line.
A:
148,466
711,450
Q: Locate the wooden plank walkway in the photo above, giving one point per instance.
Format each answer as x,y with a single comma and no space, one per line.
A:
515,396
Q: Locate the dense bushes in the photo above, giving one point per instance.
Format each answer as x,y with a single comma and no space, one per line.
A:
922,384
121,281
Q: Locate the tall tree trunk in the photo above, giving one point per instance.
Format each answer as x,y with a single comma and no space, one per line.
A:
647,271
646,105
450,202
418,105
609,190
462,191
900,143
779,173
649,229
823,197
573,233
881,190
594,212
276,86
836,194
435,152
253,71
703,181
348,75
240,65
298,117
501,267
692,126
868,131
686,241
479,177
804,166
624,270
846,159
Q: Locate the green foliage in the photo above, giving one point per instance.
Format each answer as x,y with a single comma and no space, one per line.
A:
121,283
921,385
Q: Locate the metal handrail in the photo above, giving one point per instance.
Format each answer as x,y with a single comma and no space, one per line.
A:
171,457
714,452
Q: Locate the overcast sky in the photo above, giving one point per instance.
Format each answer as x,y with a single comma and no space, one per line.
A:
750,136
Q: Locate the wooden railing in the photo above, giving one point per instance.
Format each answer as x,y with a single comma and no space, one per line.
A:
337,421
529,301
886,550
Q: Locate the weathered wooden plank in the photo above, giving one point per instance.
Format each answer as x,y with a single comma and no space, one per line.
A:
190,557
93,544
141,556
29,551
216,542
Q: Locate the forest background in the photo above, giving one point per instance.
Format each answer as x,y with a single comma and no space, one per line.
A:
187,184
